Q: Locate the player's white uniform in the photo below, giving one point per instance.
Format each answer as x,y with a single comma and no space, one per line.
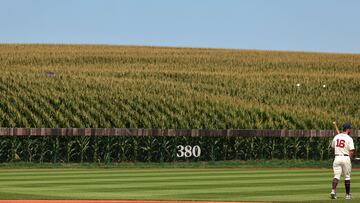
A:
342,143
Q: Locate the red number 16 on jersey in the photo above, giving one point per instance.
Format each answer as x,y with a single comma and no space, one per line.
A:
340,143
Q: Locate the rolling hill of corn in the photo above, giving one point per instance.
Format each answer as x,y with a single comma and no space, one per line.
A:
157,87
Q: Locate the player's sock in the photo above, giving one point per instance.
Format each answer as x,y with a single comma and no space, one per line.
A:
334,184
347,186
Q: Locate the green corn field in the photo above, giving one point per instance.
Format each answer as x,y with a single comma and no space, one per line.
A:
85,86
107,149
146,87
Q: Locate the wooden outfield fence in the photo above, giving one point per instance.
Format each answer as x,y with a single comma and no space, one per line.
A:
166,132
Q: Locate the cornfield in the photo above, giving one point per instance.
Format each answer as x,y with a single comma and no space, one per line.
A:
117,149
146,87
78,86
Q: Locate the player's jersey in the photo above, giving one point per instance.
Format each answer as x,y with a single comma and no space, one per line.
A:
342,143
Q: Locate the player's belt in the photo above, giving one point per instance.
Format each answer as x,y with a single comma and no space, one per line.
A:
341,155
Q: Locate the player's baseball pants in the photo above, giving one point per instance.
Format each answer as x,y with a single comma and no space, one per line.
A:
342,165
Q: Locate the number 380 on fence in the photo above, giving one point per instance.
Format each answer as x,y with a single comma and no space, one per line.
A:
188,151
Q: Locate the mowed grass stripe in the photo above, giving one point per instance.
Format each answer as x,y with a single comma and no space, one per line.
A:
191,194
238,187
157,177
86,179
168,184
161,180
158,172
150,170
178,185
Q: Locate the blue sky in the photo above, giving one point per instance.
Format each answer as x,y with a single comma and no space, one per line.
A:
298,25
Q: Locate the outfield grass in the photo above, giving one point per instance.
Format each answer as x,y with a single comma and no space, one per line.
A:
274,163
231,184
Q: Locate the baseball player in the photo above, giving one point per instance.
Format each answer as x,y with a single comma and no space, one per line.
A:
344,149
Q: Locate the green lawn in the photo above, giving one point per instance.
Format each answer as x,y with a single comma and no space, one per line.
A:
230,184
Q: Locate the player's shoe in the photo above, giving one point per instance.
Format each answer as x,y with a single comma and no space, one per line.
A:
333,195
348,196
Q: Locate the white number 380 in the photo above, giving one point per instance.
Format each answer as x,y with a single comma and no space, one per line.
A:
188,151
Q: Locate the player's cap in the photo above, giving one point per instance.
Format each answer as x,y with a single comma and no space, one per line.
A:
346,126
